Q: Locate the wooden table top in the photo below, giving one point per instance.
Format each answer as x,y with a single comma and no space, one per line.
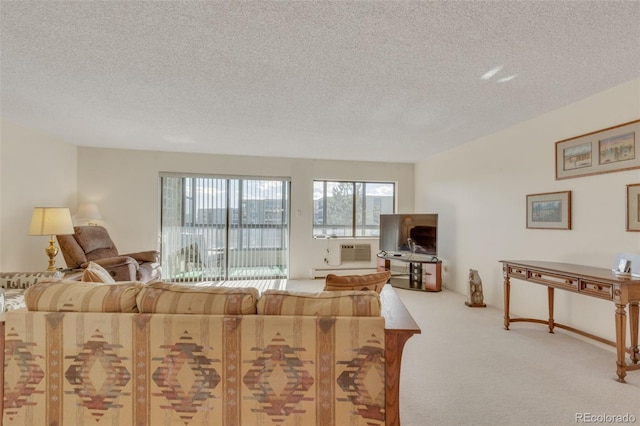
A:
396,315
600,274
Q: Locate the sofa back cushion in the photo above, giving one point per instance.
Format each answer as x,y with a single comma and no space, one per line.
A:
373,282
326,303
171,298
78,296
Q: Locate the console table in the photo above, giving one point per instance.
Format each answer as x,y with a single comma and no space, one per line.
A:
587,281
425,272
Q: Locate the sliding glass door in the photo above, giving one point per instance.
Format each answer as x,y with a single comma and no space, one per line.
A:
223,228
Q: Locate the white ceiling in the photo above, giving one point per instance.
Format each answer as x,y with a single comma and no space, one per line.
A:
379,81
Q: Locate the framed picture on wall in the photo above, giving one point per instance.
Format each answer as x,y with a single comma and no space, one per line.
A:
551,210
604,151
633,207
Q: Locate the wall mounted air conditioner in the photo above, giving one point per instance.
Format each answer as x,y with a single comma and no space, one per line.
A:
355,252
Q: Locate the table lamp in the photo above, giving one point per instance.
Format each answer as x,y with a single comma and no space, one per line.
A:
88,212
51,221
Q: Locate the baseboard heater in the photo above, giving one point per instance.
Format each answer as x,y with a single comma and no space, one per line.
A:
323,272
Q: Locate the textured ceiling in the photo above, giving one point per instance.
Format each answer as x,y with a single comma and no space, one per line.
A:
379,81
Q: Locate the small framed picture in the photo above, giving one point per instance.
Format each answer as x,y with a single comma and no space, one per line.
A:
624,265
633,207
551,210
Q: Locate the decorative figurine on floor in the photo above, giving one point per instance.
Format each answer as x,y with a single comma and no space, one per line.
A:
476,298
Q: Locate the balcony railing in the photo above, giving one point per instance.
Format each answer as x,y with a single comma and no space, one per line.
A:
203,254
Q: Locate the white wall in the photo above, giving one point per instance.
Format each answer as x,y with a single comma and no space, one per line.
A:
1,227
479,190
36,169
125,185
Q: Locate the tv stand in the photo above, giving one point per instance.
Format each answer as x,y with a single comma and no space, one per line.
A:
424,271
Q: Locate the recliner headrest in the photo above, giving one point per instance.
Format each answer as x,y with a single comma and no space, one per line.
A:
92,238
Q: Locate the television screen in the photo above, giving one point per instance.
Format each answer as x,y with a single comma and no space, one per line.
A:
409,233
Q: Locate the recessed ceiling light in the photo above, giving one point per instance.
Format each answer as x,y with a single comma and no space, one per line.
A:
505,79
491,73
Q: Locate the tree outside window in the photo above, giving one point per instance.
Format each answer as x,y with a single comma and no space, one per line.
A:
351,209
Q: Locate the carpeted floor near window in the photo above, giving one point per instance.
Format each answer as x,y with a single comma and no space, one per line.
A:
465,369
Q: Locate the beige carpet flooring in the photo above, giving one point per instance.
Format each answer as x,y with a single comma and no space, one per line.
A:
465,369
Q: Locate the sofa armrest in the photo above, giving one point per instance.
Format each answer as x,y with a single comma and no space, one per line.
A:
121,268
111,262
145,256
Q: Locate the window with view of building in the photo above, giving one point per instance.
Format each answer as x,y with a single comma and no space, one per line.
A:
216,228
350,209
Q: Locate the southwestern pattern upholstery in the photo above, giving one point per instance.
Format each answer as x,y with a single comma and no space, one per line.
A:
170,298
375,282
22,280
343,303
70,368
78,296
15,283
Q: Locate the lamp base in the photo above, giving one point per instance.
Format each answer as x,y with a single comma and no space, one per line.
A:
52,251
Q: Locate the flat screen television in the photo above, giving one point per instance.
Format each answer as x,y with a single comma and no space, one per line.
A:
409,233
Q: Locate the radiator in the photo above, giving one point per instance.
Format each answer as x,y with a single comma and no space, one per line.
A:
355,252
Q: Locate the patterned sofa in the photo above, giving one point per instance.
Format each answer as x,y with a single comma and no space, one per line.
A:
165,354
14,285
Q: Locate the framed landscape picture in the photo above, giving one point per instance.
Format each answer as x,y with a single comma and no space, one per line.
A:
608,150
551,210
633,207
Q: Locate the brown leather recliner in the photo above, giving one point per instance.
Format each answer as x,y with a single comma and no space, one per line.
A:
93,244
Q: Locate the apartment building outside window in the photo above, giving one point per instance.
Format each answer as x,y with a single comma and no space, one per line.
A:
224,228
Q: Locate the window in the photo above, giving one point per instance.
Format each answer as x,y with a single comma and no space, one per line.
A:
216,228
350,209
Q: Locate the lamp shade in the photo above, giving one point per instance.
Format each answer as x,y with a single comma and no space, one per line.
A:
88,212
51,221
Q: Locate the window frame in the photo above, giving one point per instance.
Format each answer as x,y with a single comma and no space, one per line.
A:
354,207
240,232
